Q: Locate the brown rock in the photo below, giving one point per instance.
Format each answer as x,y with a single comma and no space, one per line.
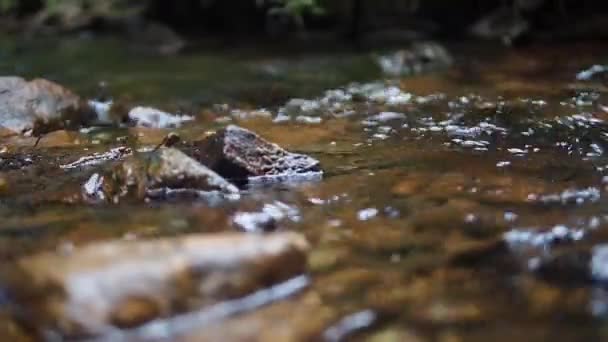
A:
300,319
93,289
157,174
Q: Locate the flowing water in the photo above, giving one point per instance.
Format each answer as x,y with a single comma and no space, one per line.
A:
462,205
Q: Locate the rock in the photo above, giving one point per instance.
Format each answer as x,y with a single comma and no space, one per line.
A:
154,118
154,38
599,263
158,174
39,106
93,290
503,23
419,58
240,155
349,325
574,265
594,74
98,158
267,218
570,267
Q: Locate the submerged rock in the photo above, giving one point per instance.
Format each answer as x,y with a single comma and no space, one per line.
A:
159,173
95,289
241,155
39,106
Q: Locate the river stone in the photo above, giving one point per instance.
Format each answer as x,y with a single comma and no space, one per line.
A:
38,106
157,174
419,58
154,118
241,155
95,289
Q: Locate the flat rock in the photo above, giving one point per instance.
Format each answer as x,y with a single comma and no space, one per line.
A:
38,106
103,287
157,174
239,155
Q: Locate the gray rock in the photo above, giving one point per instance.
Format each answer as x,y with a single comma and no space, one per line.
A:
39,106
599,263
239,154
503,23
96,289
154,118
419,58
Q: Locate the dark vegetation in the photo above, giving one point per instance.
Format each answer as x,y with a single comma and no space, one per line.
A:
357,21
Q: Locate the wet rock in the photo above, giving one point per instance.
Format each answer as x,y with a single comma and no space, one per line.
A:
241,156
95,289
39,106
154,38
349,325
15,161
158,174
98,158
504,23
267,218
419,58
573,265
154,118
351,100
595,72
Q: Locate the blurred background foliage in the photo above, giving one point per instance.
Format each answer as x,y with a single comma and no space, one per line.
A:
505,20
